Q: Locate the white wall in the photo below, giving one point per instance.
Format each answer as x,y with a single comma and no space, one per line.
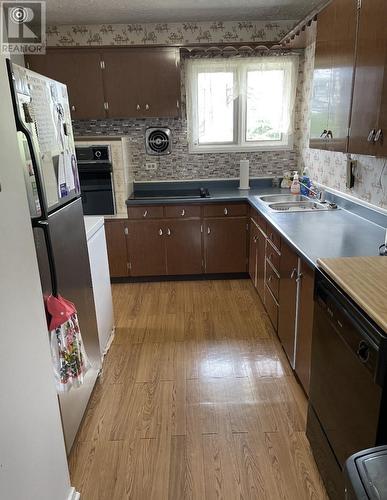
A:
33,464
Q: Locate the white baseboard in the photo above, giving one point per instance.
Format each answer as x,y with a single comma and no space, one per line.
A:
74,495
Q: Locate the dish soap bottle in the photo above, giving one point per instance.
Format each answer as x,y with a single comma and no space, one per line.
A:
295,187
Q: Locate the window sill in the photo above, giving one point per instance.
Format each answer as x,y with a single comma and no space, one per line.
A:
237,149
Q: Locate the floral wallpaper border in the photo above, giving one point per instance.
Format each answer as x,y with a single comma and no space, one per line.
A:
188,33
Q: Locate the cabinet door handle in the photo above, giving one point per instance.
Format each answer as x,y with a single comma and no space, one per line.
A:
73,108
182,213
294,274
329,134
147,107
168,232
371,135
138,107
160,232
145,213
324,133
299,277
378,136
126,231
225,211
255,239
270,279
208,230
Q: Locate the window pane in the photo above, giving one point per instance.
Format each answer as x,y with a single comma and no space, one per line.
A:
216,107
264,105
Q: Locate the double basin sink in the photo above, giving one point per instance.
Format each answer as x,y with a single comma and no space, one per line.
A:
294,203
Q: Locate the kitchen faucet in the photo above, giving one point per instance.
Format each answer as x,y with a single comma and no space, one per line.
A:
320,195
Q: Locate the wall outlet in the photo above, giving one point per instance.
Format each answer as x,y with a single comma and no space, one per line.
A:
150,165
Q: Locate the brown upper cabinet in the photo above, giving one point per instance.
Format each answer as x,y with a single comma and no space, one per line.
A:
81,71
117,82
143,82
349,84
369,114
333,76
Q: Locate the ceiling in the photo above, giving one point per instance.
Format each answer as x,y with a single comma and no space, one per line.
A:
151,11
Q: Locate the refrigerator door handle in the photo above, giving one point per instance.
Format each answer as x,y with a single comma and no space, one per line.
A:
24,130
50,255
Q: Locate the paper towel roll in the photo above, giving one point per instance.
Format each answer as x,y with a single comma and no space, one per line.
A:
244,167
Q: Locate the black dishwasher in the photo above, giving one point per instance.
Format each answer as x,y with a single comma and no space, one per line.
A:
347,397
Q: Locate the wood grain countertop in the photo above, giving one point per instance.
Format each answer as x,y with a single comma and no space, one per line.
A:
364,279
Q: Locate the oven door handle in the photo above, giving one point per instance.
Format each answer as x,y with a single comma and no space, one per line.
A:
105,170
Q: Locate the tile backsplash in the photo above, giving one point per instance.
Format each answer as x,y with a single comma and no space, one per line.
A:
180,164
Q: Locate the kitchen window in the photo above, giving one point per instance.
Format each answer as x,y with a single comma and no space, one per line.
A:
241,104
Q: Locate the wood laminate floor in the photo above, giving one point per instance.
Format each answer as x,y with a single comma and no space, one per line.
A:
196,401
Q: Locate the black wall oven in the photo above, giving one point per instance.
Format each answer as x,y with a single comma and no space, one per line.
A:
347,406
96,179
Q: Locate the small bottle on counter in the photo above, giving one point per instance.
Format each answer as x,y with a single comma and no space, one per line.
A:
295,187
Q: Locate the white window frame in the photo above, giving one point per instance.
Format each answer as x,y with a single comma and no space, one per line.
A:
239,143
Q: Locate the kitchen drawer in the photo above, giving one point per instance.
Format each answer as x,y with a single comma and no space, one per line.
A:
273,257
273,237
258,219
146,212
225,210
271,307
272,280
182,211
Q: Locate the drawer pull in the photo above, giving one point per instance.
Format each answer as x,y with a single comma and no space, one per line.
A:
73,108
182,213
147,107
145,213
168,232
160,232
138,107
208,230
225,211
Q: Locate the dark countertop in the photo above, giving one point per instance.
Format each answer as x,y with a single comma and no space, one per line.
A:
314,235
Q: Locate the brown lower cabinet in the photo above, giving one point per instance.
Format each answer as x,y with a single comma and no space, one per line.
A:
257,246
183,247
176,240
288,300
253,245
285,284
261,266
146,248
115,230
305,325
225,245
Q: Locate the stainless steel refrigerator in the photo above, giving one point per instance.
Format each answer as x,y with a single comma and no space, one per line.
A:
47,149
